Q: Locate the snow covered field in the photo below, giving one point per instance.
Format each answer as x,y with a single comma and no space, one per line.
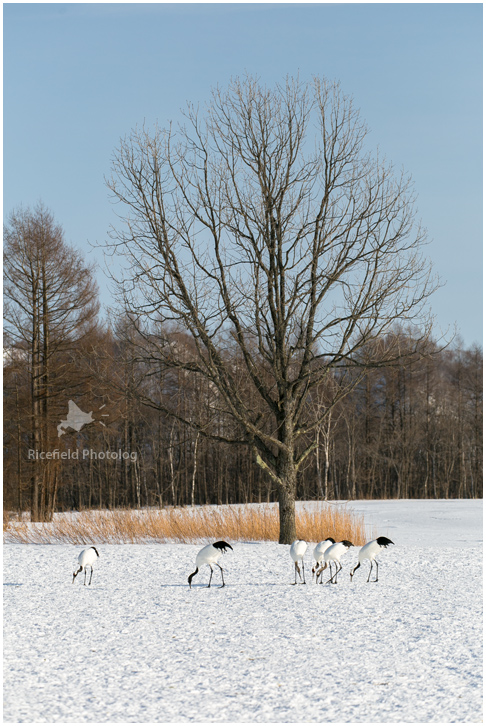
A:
138,646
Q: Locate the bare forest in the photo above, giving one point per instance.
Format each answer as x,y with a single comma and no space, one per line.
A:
412,431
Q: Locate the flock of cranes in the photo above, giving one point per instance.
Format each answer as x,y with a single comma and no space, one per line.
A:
325,554
329,552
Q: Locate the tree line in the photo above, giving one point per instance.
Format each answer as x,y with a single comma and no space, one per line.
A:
409,430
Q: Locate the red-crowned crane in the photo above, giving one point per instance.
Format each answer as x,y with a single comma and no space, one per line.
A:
297,552
369,552
318,553
86,559
210,555
334,554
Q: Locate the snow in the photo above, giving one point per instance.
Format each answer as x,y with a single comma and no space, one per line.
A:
139,647
438,522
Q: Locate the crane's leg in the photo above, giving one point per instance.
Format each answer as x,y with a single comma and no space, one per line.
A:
322,570
211,576
336,573
90,578
376,563
330,570
85,570
303,572
369,574
222,576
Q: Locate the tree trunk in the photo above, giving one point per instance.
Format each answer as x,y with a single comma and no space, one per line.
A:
320,490
19,449
171,462
35,423
286,503
287,474
193,483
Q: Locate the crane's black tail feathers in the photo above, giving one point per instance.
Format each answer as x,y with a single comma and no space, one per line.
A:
222,546
97,553
347,543
384,541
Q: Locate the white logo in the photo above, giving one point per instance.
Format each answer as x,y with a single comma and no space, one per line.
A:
76,419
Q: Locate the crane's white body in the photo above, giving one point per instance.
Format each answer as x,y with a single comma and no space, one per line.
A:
369,552
86,559
319,552
297,552
209,555
334,554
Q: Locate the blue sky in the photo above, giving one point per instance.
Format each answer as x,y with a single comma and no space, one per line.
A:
77,77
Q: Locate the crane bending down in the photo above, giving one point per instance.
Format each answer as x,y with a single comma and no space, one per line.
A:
210,555
297,552
334,554
318,554
369,552
86,559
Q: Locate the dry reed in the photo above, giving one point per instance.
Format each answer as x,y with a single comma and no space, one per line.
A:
240,523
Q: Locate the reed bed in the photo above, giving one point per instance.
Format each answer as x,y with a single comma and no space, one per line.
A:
238,523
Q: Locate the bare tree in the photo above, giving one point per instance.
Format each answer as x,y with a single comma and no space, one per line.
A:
50,305
264,226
